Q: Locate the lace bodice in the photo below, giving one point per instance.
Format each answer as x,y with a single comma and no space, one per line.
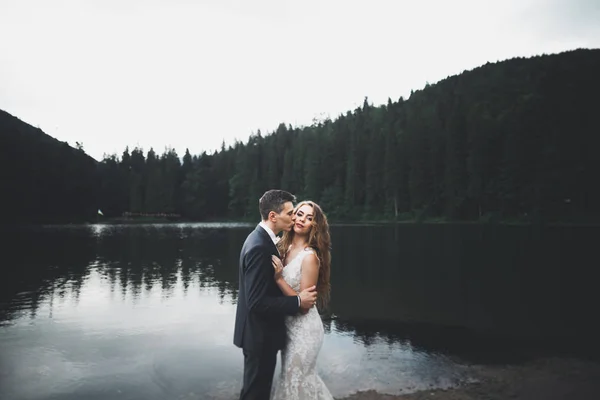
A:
292,273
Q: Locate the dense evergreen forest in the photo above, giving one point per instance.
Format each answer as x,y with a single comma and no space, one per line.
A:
512,140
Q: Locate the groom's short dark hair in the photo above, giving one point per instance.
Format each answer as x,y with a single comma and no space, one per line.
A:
273,200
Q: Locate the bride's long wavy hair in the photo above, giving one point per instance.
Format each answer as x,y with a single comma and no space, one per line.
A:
319,240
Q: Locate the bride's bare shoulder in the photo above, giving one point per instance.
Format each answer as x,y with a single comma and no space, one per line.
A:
311,258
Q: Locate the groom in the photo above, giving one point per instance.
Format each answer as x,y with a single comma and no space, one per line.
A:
261,308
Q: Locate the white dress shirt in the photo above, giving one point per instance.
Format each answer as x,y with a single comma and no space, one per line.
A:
275,239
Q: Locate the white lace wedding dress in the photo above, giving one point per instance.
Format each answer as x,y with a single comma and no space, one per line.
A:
298,379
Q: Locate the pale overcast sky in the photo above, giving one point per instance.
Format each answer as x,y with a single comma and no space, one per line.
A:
192,73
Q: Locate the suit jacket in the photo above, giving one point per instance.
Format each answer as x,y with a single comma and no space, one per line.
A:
261,307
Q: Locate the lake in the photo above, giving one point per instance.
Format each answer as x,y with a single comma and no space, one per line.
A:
147,311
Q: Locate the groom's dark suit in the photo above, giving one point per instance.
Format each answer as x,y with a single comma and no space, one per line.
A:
259,320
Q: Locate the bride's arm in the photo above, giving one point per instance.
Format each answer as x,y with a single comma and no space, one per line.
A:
310,275
310,271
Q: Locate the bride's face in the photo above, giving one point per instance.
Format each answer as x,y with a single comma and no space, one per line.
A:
303,219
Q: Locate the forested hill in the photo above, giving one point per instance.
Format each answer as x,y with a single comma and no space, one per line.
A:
512,140
516,139
44,180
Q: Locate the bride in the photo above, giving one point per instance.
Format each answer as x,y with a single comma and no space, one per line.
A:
305,250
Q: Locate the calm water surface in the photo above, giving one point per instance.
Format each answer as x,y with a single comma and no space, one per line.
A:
147,311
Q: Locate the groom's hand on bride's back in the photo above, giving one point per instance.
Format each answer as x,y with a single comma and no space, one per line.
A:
308,298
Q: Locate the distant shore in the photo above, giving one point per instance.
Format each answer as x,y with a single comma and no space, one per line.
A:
332,222
433,221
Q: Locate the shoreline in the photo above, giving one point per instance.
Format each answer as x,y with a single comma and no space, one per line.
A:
158,221
541,379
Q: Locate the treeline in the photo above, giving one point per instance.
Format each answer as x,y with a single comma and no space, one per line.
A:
509,140
43,179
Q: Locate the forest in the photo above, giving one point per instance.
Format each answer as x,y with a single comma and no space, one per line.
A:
44,180
514,140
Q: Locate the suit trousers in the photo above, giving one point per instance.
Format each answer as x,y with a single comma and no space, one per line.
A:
259,368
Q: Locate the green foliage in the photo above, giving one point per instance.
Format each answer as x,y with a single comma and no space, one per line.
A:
513,140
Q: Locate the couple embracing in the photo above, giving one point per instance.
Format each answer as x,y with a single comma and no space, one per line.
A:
282,281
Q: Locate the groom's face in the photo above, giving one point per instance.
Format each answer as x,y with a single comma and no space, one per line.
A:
284,220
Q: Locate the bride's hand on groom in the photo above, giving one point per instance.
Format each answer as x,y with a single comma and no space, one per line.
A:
278,266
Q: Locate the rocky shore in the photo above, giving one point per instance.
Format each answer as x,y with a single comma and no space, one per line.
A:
543,379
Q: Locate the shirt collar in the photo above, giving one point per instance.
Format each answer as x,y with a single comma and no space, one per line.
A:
274,238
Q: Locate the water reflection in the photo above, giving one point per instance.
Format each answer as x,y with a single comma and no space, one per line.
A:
146,311
504,280
134,259
510,280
